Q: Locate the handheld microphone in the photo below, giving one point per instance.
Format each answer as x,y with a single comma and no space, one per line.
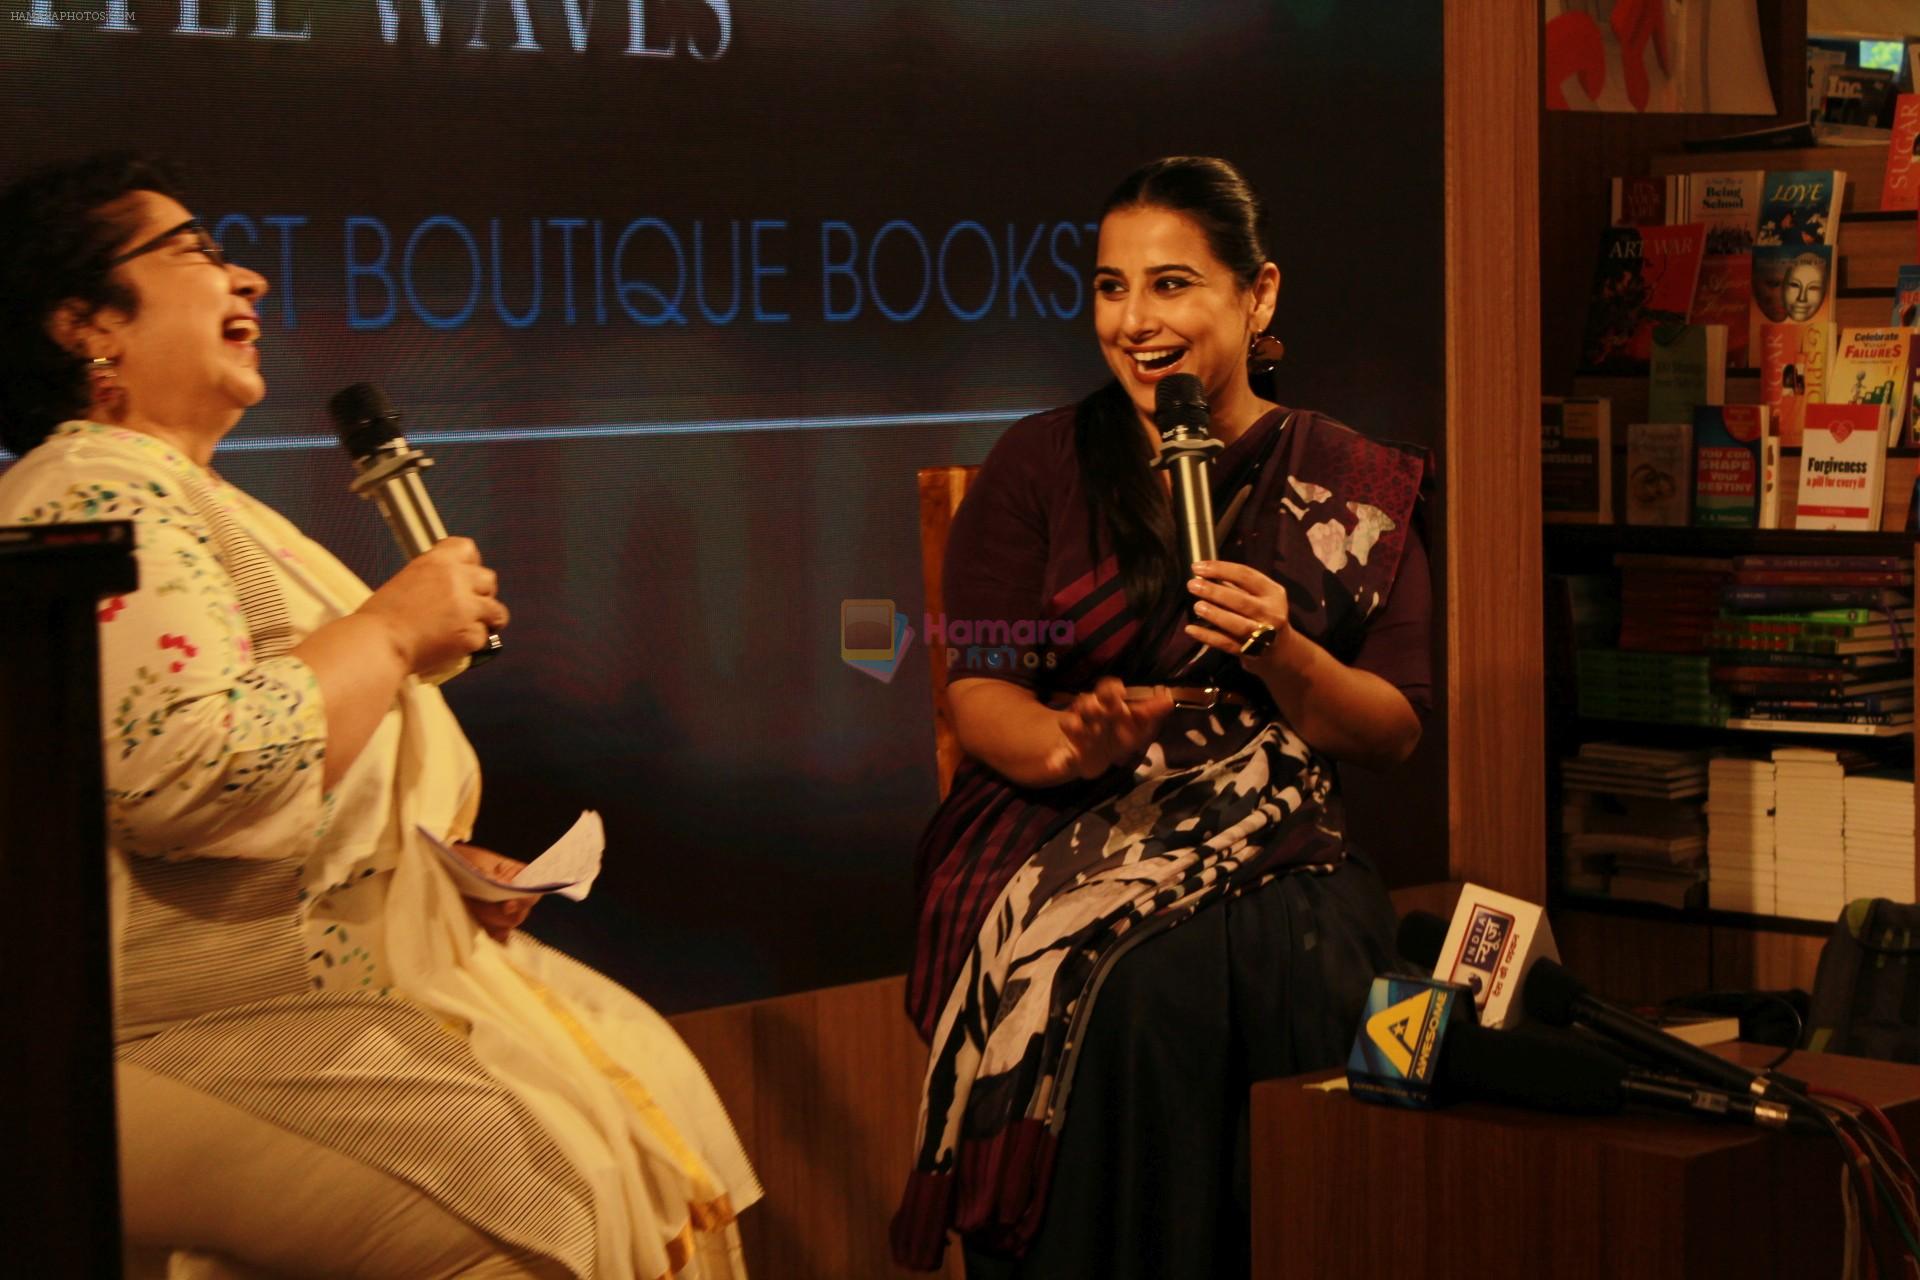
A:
388,473
1186,453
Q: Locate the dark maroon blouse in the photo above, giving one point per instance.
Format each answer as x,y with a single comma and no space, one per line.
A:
1022,537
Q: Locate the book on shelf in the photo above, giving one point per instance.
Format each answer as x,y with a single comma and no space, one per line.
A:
1870,366
1659,477
1688,368
1645,277
1671,562
1860,98
1729,442
1909,433
1783,597
1738,664
1901,189
1882,726
1803,627
1820,620
1773,562
1769,512
1872,704
1808,682
1906,298
1727,204
1821,63
1723,296
1791,283
1800,207
1642,201
1793,360
1576,460
1843,468
1741,643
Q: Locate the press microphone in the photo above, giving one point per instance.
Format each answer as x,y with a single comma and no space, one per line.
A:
387,471
1491,944
1419,1047
1186,452
1558,999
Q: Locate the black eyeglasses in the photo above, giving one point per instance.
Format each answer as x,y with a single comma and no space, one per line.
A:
203,241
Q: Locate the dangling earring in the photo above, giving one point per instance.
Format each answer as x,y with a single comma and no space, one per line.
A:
1264,352
106,394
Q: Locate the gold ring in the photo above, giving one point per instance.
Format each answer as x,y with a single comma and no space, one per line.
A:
1259,642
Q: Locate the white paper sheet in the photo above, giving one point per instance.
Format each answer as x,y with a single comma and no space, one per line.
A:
568,867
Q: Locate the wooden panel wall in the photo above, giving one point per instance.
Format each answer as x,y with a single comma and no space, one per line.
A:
1496,717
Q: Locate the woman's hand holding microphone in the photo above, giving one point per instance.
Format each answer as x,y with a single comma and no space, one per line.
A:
440,607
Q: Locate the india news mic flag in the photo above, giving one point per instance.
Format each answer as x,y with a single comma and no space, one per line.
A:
1493,940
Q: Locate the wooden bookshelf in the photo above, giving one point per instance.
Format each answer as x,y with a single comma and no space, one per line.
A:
1643,951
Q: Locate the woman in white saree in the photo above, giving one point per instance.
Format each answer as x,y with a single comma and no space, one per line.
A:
329,1063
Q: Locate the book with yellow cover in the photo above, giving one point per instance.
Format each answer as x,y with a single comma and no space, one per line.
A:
1870,367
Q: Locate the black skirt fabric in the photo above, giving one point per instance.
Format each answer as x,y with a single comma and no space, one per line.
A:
1151,1175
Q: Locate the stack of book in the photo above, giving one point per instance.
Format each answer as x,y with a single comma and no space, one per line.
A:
1879,835
1740,835
1817,644
1669,604
1660,671
1810,865
1654,688
1633,823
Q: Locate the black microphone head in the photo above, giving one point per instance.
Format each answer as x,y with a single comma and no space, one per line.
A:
1550,993
1552,1070
1179,401
1421,936
364,418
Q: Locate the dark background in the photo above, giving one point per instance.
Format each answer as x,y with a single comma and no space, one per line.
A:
676,572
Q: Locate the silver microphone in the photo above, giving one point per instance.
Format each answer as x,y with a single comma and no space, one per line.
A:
1186,452
387,471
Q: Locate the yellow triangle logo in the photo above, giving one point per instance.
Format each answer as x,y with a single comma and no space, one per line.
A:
1395,1029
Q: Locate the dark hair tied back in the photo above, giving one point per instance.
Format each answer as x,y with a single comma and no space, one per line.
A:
56,239
1123,496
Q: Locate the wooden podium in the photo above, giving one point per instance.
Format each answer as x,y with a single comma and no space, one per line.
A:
1350,1189
58,1006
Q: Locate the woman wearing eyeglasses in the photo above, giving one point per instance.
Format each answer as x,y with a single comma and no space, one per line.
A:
329,1063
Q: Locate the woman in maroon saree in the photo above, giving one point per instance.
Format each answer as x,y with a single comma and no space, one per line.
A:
1104,803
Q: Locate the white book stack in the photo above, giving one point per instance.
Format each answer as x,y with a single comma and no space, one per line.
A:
1740,835
1810,864
1879,836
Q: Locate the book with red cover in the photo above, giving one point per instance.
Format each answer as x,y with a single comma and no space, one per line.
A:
1639,202
1645,276
1723,295
1902,189
1793,360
